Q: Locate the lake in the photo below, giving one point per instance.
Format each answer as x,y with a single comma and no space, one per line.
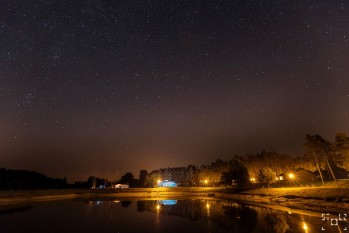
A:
168,216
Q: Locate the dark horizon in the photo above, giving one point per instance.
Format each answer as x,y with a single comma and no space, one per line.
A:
95,87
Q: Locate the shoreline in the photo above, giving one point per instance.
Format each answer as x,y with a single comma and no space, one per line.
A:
302,200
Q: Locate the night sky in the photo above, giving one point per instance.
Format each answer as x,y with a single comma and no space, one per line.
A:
97,87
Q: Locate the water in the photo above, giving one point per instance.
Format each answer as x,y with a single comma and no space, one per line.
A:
160,216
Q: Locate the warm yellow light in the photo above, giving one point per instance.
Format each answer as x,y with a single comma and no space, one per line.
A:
276,178
291,175
206,181
158,207
159,181
207,206
252,179
305,226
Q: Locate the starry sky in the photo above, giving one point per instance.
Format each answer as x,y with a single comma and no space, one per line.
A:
97,87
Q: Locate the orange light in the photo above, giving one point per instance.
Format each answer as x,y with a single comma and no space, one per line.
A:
305,226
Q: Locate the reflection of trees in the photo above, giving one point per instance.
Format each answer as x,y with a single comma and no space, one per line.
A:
14,210
242,218
141,206
126,204
276,222
230,217
186,208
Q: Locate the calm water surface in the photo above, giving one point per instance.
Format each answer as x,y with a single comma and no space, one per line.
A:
160,216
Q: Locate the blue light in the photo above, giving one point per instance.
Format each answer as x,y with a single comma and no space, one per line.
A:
167,202
167,184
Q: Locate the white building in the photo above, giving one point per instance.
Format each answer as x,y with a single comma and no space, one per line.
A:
121,186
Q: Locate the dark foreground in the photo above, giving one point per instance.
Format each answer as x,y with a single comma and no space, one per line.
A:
110,214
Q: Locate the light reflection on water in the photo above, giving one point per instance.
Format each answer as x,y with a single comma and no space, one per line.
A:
159,216
167,202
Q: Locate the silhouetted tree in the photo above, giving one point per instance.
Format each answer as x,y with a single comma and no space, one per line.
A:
126,204
92,182
128,178
236,172
275,161
341,150
142,175
276,222
22,179
266,175
319,149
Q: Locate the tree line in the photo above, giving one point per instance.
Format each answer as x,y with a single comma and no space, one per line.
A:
327,160
22,179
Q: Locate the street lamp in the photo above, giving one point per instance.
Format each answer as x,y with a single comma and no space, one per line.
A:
206,181
291,177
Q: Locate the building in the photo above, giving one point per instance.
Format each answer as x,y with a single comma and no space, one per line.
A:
121,186
167,183
303,175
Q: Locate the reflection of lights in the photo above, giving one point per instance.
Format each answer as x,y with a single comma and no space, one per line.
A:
305,227
116,201
167,202
90,203
157,214
208,208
